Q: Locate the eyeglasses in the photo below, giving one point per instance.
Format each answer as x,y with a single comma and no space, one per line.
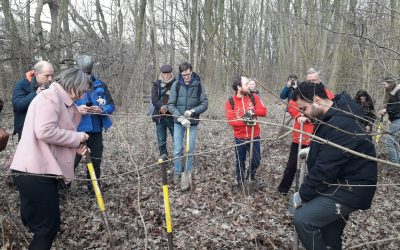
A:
186,75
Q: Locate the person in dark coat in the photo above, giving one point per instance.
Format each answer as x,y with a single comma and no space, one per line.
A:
363,99
392,109
95,106
331,191
159,98
26,89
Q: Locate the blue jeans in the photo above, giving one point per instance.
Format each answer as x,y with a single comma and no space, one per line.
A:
240,152
392,141
320,223
179,134
161,130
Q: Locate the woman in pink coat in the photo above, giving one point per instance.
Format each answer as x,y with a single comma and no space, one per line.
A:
45,154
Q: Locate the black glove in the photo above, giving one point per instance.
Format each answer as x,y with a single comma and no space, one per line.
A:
249,119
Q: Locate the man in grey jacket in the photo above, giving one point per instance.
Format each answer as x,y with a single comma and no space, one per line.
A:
186,102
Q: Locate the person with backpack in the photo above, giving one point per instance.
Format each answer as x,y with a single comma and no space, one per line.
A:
36,80
95,106
187,100
160,92
242,111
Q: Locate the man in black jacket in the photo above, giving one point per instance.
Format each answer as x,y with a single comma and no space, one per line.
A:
159,98
338,183
26,89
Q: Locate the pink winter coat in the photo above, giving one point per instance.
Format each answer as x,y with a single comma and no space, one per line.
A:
49,138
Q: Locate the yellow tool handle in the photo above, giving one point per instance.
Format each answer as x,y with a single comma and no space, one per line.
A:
96,187
167,209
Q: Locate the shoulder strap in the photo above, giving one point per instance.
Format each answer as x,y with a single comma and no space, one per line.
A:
232,102
177,87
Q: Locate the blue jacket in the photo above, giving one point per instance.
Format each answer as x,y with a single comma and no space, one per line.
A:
330,165
96,123
191,96
23,94
286,93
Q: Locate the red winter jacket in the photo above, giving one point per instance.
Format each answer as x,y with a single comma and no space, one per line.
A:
242,105
308,126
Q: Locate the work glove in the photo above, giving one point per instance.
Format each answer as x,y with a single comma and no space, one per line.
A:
185,122
297,202
188,113
294,202
249,119
304,151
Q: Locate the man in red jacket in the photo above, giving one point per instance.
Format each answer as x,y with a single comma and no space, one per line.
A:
242,111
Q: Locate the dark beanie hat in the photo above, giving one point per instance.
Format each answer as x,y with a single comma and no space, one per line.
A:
166,68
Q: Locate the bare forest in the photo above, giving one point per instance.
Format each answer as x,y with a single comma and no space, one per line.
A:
354,44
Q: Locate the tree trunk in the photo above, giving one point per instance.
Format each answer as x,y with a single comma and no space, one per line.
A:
54,34
154,47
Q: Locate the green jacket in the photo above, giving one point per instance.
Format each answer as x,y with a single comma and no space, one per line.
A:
191,96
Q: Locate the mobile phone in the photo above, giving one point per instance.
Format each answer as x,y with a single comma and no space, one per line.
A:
89,104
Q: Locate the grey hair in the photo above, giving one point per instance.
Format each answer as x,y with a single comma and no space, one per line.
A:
312,71
85,63
39,66
75,80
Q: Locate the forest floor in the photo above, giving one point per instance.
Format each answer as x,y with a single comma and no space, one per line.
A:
208,217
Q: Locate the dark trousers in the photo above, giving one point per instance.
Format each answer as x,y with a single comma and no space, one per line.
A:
320,223
291,168
95,144
40,209
240,152
166,123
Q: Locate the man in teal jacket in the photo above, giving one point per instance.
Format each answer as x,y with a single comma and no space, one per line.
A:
186,102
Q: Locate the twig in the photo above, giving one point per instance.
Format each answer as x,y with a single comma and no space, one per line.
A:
373,242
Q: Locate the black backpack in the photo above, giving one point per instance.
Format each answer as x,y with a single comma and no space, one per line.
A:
233,103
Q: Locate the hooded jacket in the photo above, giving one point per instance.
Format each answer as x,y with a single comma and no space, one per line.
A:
393,105
242,105
188,98
23,94
330,165
93,122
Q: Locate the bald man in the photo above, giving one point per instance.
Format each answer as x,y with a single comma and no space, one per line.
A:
27,88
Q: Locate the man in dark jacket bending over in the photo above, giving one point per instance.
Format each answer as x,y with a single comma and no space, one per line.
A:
327,197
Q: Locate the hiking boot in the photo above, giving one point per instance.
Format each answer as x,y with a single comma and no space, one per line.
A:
177,179
186,180
237,188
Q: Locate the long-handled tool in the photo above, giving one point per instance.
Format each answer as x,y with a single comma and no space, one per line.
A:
249,187
186,178
100,202
163,165
298,184
378,135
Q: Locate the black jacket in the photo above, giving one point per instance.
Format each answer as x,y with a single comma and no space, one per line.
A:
330,165
393,106
159,97
23,94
